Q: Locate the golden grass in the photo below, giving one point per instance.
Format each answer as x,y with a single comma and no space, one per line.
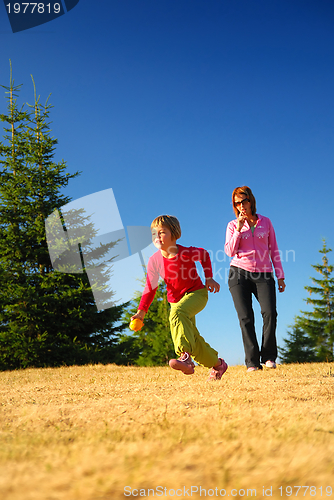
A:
85,433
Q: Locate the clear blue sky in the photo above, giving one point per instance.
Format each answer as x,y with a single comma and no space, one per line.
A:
173,103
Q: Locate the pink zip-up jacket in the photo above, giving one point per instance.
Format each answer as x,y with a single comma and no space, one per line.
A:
254,252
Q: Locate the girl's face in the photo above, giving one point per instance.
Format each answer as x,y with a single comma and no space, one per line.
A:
162,238
243,204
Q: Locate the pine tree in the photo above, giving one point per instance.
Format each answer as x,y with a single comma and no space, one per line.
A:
320,322
152,345
299,347
47,318
316,327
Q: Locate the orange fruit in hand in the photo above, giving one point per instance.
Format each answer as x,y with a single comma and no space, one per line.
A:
136,325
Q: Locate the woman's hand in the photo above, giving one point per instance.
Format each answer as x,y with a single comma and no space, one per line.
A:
212,285
281,285
241,219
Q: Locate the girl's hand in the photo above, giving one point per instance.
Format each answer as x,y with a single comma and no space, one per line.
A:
140,314
212,285
281,285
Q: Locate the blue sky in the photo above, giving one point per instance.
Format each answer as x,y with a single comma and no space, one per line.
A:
174,103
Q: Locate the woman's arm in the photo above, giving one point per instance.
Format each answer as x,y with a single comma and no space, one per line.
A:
281,285
276,257
232,241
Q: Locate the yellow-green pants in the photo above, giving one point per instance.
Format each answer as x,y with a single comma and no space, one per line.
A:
185,335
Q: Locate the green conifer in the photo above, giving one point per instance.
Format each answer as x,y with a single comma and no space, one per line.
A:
315,329
47,318
299,348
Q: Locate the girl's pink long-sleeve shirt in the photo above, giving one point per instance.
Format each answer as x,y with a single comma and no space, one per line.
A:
254,252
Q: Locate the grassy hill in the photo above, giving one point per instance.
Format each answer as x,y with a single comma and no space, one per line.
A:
109,432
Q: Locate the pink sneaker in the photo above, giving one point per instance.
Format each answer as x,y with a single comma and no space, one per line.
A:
217,373
184,364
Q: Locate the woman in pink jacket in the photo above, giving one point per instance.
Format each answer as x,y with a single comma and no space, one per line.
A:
251,241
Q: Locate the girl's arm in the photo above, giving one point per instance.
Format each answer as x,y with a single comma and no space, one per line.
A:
210,283
151,285
140,314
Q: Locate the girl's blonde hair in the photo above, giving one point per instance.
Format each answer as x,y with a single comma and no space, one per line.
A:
170,222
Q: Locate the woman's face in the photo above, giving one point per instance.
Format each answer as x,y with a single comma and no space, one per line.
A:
243,204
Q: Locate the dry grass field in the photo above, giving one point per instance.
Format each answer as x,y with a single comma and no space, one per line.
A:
109,432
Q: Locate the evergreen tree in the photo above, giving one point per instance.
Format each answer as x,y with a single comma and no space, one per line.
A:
153,344
319,324
47,318
299,347
315,328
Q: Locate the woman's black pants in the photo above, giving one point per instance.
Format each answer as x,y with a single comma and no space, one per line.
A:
242,285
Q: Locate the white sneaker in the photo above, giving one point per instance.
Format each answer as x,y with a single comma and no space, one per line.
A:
270,364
